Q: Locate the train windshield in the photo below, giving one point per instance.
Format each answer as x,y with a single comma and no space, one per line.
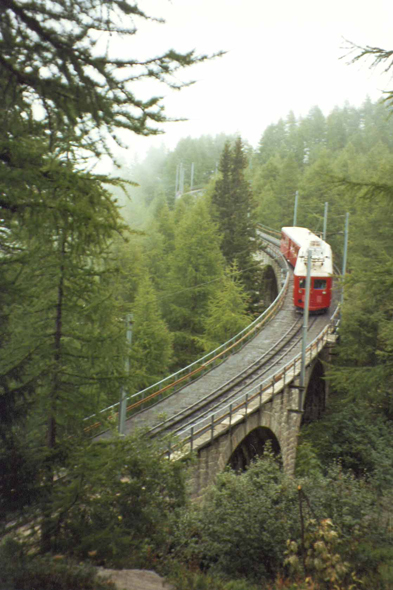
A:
319,284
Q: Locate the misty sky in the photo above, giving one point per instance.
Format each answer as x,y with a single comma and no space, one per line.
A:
281,56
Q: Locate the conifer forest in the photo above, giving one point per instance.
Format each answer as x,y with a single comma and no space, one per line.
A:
172,240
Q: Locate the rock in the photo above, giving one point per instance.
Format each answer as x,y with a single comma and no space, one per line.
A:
134,579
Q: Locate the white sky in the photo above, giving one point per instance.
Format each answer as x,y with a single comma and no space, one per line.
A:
282,55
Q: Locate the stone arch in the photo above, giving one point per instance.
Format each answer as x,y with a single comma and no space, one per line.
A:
252,446
315,398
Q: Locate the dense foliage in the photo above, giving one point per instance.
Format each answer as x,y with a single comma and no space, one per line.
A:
118,502
345,159
243,526
64,92
185,299
233,206
23,572
71,267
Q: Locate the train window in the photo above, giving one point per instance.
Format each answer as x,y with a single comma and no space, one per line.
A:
319,284
302,283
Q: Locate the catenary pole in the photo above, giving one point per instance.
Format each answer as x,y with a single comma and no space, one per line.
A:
305,329
325,216
192,176
295,209
123,398
182,178
177,180
344,269
178,168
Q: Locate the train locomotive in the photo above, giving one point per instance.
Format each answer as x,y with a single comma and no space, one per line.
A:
294,245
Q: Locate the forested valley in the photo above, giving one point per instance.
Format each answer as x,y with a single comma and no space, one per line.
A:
172,240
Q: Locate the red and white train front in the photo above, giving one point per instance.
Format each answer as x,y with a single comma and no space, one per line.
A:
295,244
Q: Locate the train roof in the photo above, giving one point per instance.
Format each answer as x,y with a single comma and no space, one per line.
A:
322,259
299,235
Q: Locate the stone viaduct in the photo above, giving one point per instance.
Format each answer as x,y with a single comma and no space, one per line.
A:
268,409
276,421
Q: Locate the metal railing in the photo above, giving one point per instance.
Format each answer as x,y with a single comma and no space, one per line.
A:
173,383
275,233
202,432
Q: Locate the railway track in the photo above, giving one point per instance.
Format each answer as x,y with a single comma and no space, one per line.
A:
273,347
209,393
235,386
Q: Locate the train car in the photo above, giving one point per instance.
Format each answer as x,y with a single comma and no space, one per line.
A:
295,244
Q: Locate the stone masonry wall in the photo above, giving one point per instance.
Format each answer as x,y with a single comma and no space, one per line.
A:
280,415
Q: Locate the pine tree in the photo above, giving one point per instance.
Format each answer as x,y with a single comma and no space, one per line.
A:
221,199
196,269
227,311
336,132
377,56
313,130
151,350
294,140
272,142
364,370
61,339
130,257
233,208
62,325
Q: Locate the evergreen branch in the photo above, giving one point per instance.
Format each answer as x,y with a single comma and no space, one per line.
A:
201,285
82,379
378,55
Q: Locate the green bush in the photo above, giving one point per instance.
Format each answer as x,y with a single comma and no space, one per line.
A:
115,507
183,579
242,527
20,571
357,436
307,462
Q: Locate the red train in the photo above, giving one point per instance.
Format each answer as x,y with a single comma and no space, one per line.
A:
295,243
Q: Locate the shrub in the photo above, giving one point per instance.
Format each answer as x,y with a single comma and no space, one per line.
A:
183,579
242,527
116,506
357,436
20,571
318,557
361,514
